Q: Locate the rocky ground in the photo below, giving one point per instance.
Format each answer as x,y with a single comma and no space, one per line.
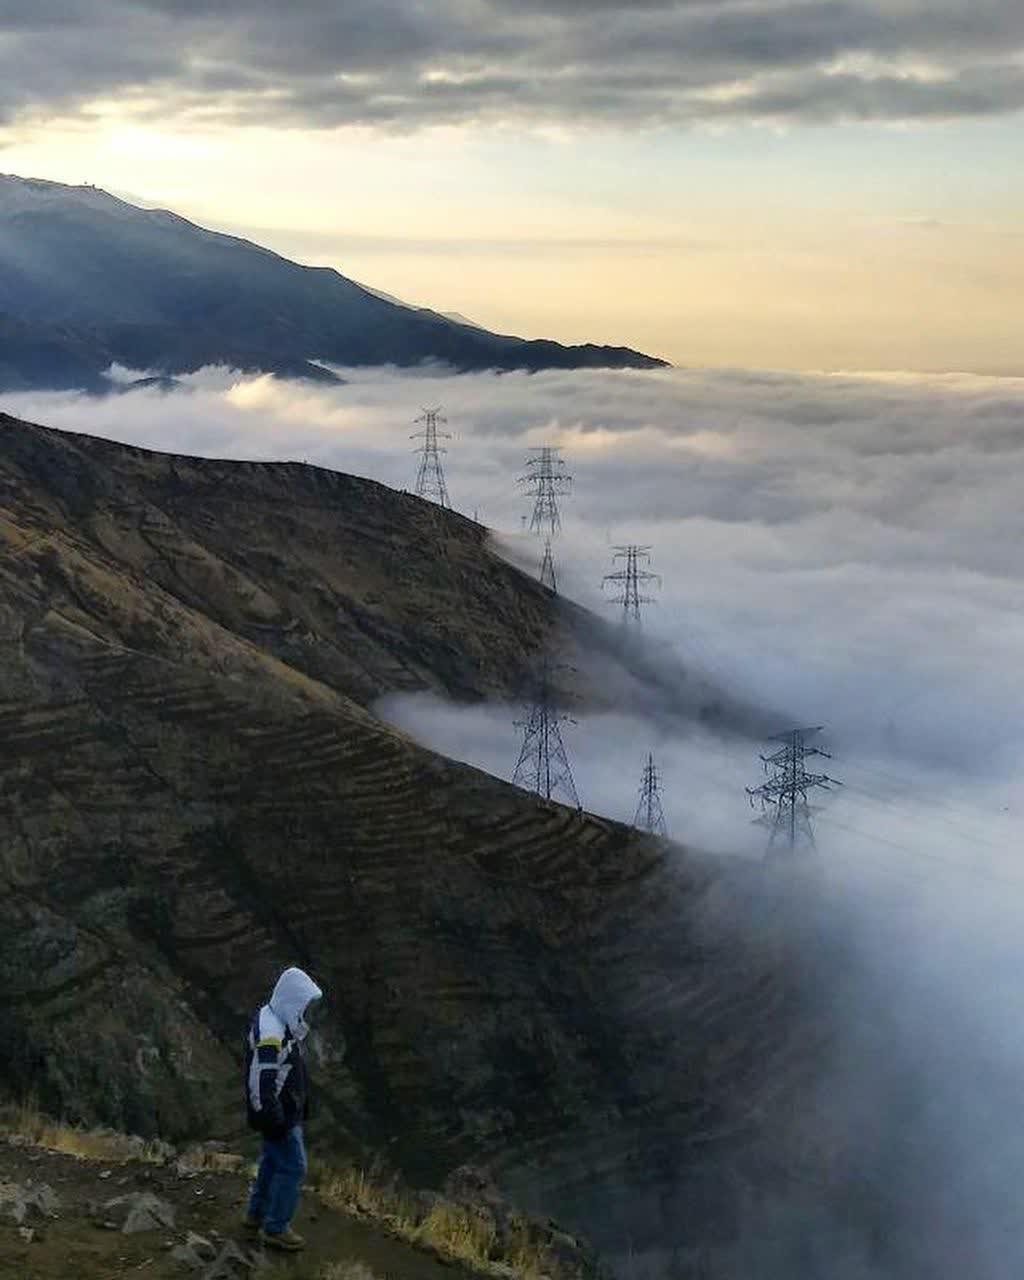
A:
62,1216
66,1217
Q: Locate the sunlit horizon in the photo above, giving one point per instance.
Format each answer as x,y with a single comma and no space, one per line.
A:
879,236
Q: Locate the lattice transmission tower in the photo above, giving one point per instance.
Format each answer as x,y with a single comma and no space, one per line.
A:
543,764
546,481
430,478
632,578
783,797
649,814
547,569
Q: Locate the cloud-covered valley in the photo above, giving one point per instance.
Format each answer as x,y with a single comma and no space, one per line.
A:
843,548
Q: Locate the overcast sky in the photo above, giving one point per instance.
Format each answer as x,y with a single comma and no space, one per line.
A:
830,184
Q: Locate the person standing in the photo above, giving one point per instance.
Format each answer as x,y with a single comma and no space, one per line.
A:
277,1097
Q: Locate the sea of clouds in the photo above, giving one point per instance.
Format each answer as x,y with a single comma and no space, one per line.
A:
847,548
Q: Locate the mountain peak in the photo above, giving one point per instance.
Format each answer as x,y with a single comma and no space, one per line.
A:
88,279
19,194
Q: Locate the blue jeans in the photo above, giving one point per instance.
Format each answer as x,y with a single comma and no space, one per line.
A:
282,1171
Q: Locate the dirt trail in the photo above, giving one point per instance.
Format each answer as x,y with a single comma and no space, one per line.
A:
75,1245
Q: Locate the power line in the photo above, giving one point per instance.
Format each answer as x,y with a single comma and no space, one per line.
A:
631,578
784,796
898,783
976,873
902,810
904,793
902,807
650,816
430,483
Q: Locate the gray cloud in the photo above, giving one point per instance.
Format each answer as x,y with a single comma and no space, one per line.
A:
404,65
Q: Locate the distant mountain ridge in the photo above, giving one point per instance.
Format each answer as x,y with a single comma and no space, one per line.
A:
88,280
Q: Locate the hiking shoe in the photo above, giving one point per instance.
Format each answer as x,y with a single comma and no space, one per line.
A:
288,1241
251,1223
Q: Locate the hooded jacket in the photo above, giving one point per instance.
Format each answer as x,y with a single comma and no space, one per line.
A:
277,1085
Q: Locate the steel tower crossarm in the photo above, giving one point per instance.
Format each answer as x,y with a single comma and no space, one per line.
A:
546,481
631,579
783,797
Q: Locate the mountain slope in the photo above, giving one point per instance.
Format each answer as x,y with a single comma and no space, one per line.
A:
195,793
87,280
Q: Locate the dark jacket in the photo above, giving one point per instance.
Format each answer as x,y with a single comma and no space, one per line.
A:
276,1080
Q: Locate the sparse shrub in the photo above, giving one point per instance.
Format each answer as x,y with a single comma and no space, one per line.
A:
371,1192
459,1232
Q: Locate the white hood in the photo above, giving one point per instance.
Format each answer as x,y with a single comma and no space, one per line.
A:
292,995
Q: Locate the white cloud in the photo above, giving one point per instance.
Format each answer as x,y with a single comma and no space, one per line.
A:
845,547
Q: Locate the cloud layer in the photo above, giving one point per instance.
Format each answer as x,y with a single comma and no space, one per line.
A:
402,64
846,547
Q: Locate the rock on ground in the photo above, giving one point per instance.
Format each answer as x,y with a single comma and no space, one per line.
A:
140,1211
21,1201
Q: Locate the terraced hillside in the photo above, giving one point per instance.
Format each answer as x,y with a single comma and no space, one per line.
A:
194,793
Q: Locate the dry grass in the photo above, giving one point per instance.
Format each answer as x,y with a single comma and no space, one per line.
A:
26,1124
348,1269
459,1233
370,1193
455,1232
206,1159
304,1269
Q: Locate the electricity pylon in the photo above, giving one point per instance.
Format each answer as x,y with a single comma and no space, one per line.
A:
547,569
546,481
543,765
430,479
784,796
631,578
649,814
